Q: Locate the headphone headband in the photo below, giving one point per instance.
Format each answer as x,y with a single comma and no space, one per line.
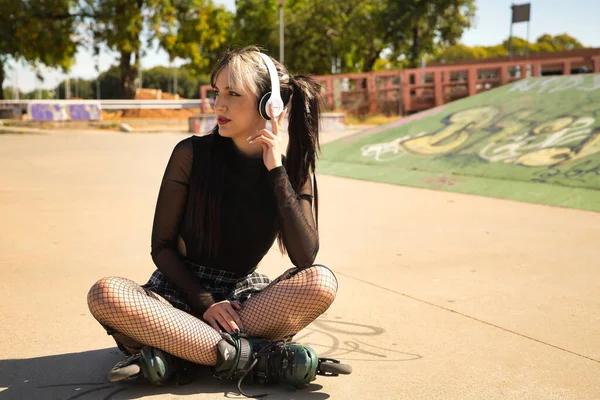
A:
275,94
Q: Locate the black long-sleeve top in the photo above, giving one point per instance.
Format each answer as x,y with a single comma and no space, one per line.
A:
255,202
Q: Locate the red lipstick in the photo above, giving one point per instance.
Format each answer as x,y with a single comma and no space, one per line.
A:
222,120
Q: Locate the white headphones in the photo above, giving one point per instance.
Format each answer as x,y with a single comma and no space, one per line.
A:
274,96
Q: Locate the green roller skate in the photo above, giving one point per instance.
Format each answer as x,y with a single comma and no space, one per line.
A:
151,363
267,362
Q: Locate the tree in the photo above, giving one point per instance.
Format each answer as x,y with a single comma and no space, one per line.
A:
38,32
118,24
460,52
417,27
190,29
184,28
320,36
312,35
256,23
350,35
559,42
544,44
361,37
188,84
79,88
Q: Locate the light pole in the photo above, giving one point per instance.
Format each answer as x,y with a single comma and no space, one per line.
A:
280,30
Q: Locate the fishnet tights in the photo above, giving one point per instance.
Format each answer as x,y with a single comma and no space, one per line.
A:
141,317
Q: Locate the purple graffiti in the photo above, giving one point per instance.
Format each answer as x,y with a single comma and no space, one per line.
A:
64,111
46,112
78,112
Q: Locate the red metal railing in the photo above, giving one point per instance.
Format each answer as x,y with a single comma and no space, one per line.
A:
411,90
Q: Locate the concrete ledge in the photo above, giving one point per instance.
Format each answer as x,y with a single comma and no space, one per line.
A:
202,123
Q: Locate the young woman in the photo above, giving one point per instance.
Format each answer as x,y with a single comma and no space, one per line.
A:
224,199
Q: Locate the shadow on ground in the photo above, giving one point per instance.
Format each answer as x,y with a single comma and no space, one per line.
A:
83,376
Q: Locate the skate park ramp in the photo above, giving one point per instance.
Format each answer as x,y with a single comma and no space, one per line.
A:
535,140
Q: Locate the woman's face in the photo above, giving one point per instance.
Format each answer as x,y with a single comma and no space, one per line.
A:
237,111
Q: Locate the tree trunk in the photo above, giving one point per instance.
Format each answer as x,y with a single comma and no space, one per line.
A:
370,60
128,75
416,47
1,79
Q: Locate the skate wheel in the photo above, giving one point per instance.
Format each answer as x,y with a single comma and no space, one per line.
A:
331,367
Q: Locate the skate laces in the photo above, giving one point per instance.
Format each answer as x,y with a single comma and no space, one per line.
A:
271,369
128,360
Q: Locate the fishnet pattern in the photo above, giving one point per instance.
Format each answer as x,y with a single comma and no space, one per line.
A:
141,317
126,307
289,303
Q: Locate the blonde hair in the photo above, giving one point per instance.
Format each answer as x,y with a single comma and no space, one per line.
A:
248,72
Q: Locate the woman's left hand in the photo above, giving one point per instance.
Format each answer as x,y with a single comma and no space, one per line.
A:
271,142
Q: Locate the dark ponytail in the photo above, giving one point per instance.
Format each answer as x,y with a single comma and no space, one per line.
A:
211,160
303,142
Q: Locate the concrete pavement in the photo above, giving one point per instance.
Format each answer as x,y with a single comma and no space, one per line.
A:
442,295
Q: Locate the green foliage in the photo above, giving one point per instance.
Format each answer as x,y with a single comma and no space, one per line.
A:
38,32
189,29
118,24
544,44
79,89
256,23
559,42
9,93
312,35
322,37
419,27
188,84
110,84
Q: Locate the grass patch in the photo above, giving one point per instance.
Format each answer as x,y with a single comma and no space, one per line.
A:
378,119
530,192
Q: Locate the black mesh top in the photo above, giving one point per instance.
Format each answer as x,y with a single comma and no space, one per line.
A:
254,203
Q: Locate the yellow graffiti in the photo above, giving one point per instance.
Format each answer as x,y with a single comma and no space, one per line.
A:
592,146
456,132
561,155
512,124
544,157
546,144
514,138
553,126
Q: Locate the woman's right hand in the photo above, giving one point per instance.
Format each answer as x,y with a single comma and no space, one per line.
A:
222,316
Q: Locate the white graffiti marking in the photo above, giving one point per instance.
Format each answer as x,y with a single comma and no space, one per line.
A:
596,85
510,153
387,151
556,84
547,83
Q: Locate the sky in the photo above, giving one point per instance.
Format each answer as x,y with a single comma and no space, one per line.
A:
578,18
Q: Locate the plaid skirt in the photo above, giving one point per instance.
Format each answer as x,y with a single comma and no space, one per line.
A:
223,285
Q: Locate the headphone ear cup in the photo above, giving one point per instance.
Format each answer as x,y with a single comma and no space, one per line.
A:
262,106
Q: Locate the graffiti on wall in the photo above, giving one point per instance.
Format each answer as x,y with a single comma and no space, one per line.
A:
557,84
61,111
516,137
550,126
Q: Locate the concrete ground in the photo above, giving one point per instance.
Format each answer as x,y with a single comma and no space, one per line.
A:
442,295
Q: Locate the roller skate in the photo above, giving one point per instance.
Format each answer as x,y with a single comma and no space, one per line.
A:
266,362
151,363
